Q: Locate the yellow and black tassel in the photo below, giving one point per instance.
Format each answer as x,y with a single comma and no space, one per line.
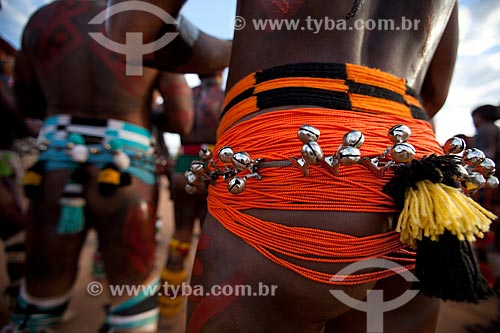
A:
439,220
113,175
110,178
33,180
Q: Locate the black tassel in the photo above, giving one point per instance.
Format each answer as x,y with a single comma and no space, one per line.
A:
33,180
447,269
445,264
110,178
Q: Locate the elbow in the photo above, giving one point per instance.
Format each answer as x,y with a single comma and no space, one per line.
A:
433,100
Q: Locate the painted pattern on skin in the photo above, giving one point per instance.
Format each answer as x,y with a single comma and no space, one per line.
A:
133,84
280,8
210,306
203,244
140,229
52,43
59,36
208,103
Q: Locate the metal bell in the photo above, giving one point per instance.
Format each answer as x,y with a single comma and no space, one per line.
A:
492,182
308,133
191,178
454,145
349,156
205,154
353,139
474,182
399,133
473,156
197,167
225,154
486,167
241,161
190,189
460,173
237,185
43,147
403,152
312,153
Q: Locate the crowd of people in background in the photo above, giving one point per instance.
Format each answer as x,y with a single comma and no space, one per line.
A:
95,168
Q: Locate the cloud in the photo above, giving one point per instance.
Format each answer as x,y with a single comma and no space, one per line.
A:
479,27
476,79
14,16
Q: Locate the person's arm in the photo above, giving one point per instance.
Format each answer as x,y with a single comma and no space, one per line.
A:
191,51
29,95
178,109
438,77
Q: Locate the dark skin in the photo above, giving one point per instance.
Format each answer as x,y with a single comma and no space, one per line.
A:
188,208
177,116
425,57
11,197
60,70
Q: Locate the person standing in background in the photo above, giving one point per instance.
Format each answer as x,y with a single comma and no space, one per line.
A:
487,139
96,169
207,100
12,200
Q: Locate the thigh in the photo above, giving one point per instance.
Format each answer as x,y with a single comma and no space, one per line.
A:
52,259
11,214
297,304
125,224
185,205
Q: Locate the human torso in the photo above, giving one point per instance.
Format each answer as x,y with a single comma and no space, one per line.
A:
405,51
77,75
9,126
207,100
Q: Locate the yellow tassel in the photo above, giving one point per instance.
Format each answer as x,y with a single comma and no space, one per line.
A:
32,178
432,208
109,176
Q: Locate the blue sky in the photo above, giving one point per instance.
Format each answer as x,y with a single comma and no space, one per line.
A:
476,79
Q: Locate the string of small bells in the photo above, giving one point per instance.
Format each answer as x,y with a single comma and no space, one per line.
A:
475,169
80,152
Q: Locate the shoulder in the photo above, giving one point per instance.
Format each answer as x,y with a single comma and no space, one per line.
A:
42,13
37,21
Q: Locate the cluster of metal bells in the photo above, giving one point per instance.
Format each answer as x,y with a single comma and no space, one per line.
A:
199,176
476,172
348,152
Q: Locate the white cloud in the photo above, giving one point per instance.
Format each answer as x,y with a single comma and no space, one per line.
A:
14,15
479,27
476,79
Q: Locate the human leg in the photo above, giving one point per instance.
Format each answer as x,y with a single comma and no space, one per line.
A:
125,223
12,232
187,209
52,260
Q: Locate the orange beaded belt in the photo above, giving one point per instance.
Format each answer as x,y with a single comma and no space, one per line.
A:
340,98
343,173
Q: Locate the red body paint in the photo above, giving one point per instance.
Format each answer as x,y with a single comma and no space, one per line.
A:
211,306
